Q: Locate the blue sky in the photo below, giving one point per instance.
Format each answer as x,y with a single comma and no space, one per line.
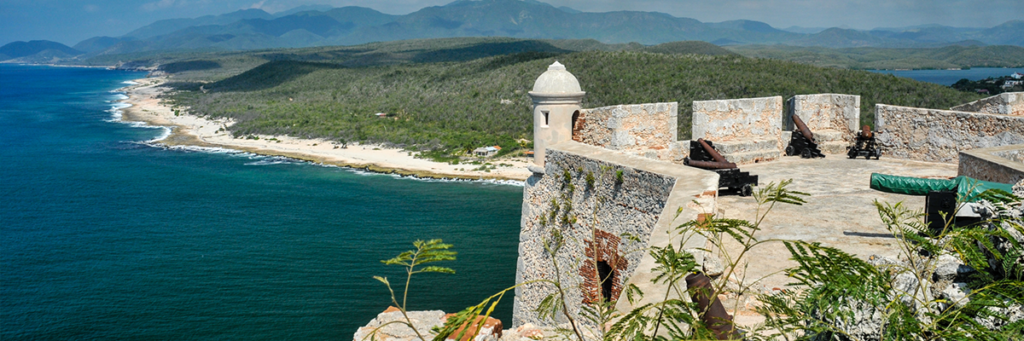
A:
70,21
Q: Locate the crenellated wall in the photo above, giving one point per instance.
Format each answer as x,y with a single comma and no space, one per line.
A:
1009,103
940,135
601,217
647,130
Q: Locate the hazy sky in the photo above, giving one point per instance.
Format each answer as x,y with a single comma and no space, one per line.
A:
70,21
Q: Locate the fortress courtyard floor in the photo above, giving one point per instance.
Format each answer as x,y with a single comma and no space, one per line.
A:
839,212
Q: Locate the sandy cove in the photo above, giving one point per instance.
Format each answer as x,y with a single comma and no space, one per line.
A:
189,130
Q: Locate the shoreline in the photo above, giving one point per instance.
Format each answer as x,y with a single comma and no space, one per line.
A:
190,130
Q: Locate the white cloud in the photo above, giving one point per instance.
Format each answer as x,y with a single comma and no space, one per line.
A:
157,5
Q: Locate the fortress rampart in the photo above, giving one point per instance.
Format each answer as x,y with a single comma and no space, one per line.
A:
940,135
1010,103
1003,164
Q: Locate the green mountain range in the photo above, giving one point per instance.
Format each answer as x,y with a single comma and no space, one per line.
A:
308,26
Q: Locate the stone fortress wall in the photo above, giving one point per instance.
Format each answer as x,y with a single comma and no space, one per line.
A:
647,130
834,119
940,135
1009,103
607,206
744,131
1003,164
609,183
612,189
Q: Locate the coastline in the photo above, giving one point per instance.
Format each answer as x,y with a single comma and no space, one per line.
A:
190,130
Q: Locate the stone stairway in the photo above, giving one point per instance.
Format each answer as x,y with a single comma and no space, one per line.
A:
829,141
747,151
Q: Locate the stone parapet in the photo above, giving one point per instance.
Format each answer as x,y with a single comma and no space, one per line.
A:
597,200
735,119
840,113
647,130
745,123
1009,103
940,135
1003,164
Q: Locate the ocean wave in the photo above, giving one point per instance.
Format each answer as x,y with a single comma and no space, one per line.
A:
364,172
115,111
267,160
274,160
130,83
163,134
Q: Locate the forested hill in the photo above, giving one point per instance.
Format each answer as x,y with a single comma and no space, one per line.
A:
456,106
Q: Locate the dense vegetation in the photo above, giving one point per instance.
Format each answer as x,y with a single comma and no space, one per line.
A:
330,93
872,58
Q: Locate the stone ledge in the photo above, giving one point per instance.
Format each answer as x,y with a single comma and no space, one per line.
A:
747,151
992,164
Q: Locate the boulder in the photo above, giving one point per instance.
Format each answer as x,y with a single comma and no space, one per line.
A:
423,320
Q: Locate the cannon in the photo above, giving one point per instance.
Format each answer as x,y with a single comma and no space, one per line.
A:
704,156
865,145
802,143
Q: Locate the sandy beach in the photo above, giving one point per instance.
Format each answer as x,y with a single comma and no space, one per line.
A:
189,130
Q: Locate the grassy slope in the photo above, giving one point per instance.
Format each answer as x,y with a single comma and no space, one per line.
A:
884,58
459,104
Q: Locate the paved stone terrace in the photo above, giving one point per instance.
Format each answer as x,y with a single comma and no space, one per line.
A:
839,212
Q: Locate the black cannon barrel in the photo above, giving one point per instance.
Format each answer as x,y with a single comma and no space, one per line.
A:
709,164
711,151
803,128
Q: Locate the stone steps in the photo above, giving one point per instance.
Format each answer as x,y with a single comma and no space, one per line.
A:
748,151
829,141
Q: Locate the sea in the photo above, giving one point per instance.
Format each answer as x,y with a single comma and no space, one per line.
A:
105,235
949,77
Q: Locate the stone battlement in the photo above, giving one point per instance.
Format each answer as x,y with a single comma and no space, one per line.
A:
940,135
1010,103
744,126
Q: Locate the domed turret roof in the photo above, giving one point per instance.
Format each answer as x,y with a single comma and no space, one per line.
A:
556,80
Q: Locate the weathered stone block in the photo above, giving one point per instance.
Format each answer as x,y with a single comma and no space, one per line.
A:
826,113
640,129
748,119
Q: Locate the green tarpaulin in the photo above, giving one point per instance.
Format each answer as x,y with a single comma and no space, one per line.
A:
967,188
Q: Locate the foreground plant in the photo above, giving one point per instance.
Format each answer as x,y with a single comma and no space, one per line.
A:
842,297
679,315
426,252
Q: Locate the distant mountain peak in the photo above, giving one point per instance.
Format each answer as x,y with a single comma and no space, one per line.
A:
21,49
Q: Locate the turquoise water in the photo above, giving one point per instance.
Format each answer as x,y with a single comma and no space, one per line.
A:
948,77
105,237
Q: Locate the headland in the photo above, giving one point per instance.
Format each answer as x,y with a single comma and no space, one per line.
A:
191,130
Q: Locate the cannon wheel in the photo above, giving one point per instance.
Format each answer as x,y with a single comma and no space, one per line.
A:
790,151
806,153
878,154
746,190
